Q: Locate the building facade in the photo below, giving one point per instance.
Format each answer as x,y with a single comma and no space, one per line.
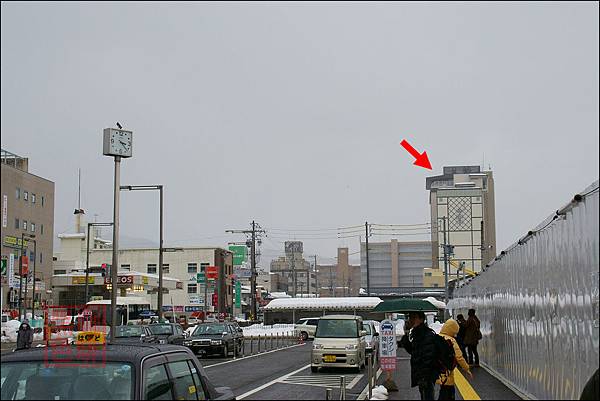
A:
395,264
296,275
181,266
462,203
27,210
341,279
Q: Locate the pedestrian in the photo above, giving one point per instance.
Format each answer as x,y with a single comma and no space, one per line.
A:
25,335
472,337
460,337
449,331
420,343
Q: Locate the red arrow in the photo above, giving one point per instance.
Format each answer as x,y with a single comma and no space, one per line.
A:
421,158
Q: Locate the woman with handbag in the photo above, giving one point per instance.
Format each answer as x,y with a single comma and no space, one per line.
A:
472,337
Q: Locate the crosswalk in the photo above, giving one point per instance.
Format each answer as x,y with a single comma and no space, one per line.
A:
321,380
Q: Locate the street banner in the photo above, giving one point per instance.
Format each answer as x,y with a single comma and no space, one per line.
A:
11,270
200,277
387,345
238,294
212,272
25,265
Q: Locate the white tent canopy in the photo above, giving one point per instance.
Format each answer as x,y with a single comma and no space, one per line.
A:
334,303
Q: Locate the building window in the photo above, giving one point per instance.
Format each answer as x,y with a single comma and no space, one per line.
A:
32,225
192,289
427,274
25,196
25,225
18,193
203,266
126,267
59,271
192,268
165,268
42,201
17,226
151,268
32,198
42,229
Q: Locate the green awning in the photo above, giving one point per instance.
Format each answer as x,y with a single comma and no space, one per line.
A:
403,305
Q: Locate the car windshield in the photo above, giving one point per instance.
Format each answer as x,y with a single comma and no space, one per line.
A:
208,329
337,328
61,381
367,328
128,331
160,329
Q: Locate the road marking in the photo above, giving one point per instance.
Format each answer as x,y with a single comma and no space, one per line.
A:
279,379
466,391
251,356
323,380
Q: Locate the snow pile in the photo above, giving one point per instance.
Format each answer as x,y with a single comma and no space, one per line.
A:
261,329
379,393
435,302
9,330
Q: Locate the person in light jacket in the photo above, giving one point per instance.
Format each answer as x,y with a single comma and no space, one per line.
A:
24,336
446,381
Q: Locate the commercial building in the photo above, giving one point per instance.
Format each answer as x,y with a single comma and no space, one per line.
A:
139,266
394,264
27,209
341,279
295,273
462,202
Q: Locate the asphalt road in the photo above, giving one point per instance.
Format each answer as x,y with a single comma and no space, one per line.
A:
283,374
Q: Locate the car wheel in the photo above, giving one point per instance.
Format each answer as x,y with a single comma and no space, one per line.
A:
225,351
304,336
314,369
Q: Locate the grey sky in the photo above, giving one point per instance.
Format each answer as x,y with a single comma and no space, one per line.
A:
292,114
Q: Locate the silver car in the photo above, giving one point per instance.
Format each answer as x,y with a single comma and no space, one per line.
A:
339,342
372,337
307,327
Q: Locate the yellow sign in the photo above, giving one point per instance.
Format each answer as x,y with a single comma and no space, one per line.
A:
90,338
81,280
144,280
14,242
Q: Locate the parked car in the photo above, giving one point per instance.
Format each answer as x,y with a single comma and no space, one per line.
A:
164,333
307,327
107,372
372,337
215,338
339,342
129,334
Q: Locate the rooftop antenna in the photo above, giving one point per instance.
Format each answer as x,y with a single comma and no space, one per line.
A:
79,211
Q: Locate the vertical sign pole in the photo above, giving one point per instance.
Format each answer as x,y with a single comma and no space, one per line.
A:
160,262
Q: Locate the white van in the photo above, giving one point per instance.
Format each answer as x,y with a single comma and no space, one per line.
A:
339,342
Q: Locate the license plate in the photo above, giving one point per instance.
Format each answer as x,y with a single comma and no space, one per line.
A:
162,341
329,358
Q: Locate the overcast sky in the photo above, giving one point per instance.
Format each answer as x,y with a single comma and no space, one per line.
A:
292,114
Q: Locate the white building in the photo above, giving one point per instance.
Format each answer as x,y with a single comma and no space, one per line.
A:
180,269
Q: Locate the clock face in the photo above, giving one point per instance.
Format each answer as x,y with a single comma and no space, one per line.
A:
118,142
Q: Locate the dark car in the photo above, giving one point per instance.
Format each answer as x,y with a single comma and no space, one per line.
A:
107,372
215,338
164,333
130,334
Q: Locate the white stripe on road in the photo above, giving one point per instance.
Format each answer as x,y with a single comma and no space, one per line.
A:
251,356
279,379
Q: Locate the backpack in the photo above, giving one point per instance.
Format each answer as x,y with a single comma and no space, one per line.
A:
446,359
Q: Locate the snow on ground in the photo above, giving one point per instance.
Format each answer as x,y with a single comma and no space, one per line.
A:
379,393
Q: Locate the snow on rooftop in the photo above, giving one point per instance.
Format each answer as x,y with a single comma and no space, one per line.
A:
435,302
75,235
277,295
333,303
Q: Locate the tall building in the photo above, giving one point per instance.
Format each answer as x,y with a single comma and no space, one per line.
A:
27,209
462,201
339,280
295,275
394,264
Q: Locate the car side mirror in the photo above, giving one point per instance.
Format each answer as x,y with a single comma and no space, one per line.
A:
363,333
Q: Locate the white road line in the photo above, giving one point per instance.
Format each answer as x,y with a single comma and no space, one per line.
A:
279,379
250,356
365,393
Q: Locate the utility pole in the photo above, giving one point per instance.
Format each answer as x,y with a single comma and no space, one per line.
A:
367,253
446,249
253,233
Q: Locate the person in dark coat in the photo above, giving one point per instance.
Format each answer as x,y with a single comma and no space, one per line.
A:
460,337
419,342
24,336
472,337
591,391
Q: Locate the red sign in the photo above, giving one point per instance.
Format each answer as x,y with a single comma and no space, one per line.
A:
215,300
121,280
212,272
25,265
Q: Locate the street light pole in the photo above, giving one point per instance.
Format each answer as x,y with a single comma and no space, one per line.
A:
87,258
33,294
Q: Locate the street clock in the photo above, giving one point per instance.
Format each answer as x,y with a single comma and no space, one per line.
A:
117,142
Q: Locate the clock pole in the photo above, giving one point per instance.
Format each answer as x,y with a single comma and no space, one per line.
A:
115,247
